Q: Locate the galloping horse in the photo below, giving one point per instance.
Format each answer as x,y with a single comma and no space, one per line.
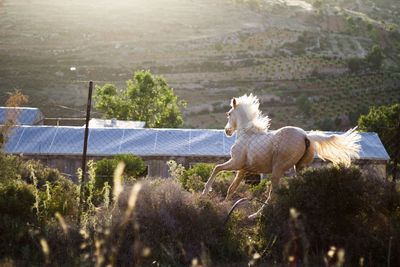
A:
258,150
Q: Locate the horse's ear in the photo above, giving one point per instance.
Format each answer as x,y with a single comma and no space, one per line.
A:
234,102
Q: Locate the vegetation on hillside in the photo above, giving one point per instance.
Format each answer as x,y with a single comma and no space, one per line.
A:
319,51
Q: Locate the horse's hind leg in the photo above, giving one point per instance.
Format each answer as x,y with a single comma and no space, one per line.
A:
220,167
277,173
307,158
232,188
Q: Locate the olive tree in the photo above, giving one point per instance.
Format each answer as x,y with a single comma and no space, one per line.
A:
146,97
385,121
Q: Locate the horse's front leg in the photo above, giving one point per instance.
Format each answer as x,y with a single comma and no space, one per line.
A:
227,166
232,188
277,173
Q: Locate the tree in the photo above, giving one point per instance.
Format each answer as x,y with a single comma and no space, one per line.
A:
304,104
317,4
375,57
355,64
15,99
147,97
385,121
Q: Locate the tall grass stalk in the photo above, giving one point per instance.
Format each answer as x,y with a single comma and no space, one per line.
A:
117,189
35,189
132,201
90,186
46,201
45,249
106,195
62,223
88,208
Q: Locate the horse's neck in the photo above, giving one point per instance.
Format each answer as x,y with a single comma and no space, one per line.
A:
249,131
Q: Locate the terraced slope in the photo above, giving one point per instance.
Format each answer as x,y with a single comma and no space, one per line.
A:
209,51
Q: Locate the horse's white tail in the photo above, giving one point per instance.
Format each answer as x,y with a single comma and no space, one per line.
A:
336,148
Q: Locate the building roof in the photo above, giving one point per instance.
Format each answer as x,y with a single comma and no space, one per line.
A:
22,115
68,140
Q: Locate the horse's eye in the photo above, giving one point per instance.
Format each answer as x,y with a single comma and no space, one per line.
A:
228,114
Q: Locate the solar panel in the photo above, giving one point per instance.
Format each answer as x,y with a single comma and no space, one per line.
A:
138,142
35,140
172,142
67,140
104,141
22,115
206,142
12,139
372,147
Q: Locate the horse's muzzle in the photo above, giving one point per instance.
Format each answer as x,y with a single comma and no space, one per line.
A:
228,131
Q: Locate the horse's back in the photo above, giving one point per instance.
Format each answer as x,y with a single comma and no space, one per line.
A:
291,130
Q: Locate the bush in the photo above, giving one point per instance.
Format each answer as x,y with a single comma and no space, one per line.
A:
375,57
61,197
339,207
16,200
134,168
30,195
42,173
10,167
355,64
177,226
17,216
304,104
195,178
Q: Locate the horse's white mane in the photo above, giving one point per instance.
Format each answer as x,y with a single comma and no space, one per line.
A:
249,104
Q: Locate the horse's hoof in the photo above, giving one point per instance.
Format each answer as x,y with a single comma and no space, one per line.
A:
253,216
206,191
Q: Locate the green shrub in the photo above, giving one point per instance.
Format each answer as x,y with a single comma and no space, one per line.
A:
16,199
339,207
194,178
261,190
42,173
10,167
17,218
61,197
134,168
355,64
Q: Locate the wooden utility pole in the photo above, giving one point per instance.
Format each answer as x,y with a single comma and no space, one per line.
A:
85,144
396,151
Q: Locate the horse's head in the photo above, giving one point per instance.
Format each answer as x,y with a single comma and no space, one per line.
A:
232,116
245,113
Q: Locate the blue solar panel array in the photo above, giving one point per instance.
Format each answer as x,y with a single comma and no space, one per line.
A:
66,140
23,115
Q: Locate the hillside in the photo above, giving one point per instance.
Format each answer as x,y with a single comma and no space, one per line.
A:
293,54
